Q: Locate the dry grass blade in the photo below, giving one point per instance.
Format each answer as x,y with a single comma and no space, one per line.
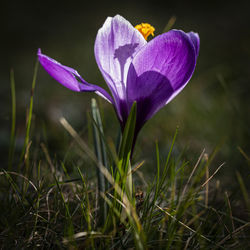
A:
85,234
233,233
187,243
192,173
215,172
20,175
120,202
136,168
78,139
27,151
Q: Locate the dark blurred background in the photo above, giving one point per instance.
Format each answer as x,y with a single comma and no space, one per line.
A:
213,110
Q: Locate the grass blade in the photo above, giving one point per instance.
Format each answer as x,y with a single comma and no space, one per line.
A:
29,119
13,124
100,151
128,134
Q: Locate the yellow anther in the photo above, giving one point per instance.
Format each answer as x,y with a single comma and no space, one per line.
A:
145,29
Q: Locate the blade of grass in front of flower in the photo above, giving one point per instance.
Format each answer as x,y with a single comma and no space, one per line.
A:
118,140
103,143
25,150
125,151
128,133
13,123
100,150
108,152
100,144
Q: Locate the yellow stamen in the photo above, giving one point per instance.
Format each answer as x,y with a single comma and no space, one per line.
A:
145,29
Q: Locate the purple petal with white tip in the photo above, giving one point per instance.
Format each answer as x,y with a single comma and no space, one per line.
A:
68,77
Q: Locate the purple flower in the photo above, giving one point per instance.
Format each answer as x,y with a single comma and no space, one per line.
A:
150,73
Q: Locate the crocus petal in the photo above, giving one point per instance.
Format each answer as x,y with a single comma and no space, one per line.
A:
115,46
196,41
171,54
62,74
159,71
67,77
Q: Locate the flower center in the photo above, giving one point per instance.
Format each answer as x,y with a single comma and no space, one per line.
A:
145,29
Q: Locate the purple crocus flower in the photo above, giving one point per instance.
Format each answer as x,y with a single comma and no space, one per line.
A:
150,73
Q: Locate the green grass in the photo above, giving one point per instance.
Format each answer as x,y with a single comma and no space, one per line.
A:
45,204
